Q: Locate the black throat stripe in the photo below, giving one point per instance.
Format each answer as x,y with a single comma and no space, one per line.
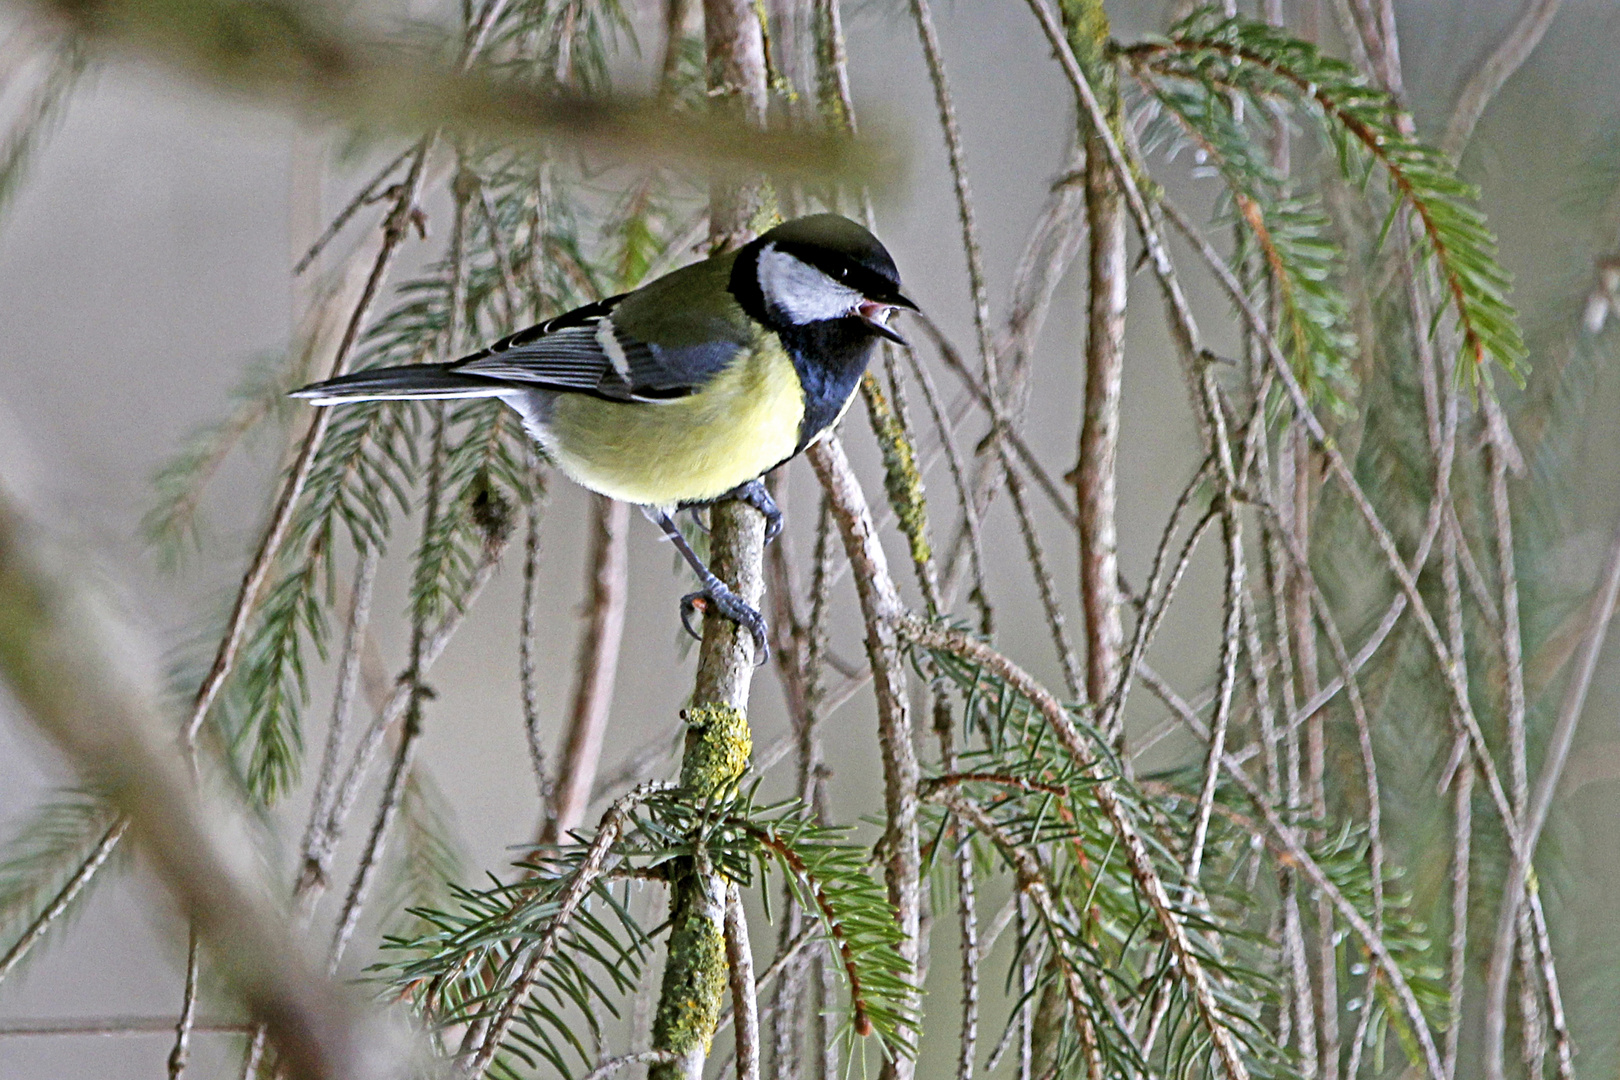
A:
830,358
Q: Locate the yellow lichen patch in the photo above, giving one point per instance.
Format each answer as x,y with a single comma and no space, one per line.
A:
718,743
695,980
901,478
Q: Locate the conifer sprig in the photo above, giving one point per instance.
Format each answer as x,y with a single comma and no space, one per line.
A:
1289,229
1360,124
460,969
42,856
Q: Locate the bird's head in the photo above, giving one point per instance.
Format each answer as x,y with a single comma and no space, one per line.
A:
816,269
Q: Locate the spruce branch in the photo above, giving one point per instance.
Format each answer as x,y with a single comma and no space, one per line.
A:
1290,231
579,885
1259,61
831,879
36,857
1084,754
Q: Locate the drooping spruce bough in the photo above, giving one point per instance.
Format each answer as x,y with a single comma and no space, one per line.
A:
1259,911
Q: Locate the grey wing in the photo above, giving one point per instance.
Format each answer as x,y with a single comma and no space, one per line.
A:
588,354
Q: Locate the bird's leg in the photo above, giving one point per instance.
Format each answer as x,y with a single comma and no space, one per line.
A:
757,495
714,590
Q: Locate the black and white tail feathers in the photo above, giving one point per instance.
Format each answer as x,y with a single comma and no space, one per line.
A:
412,382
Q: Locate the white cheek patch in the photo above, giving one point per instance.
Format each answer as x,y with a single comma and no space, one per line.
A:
800,291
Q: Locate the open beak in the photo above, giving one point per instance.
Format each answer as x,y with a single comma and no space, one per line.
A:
875,313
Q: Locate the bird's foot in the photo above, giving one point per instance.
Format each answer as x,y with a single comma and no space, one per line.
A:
727,603
757,495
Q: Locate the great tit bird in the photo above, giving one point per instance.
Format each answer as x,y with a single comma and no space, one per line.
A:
689,389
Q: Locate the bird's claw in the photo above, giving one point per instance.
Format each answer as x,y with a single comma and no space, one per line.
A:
730,605
757,495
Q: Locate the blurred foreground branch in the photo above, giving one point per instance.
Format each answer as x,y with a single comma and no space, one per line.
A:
289,52
78,676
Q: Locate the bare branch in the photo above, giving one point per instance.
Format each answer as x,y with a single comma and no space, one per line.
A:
880,607
744,1001
180,1054
645,1057
1490,76
528,688
316,849
977,291
608,591
116,1025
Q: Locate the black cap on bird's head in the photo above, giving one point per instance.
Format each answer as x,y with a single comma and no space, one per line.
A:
817,268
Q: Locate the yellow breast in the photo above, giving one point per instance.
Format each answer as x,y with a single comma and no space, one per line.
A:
691,449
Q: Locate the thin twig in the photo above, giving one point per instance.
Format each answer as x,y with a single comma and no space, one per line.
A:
744,1000
528,685
180,1053
348,790
1563,1045
607,584
1231,637
1462,816
64,897
1152,616
785,958
966,893
1026,456
117,1025
644,1057
361,198
953,458
1490,76
316,854
1552,769
1498,453
880,606
1055,623
394,231
977,291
